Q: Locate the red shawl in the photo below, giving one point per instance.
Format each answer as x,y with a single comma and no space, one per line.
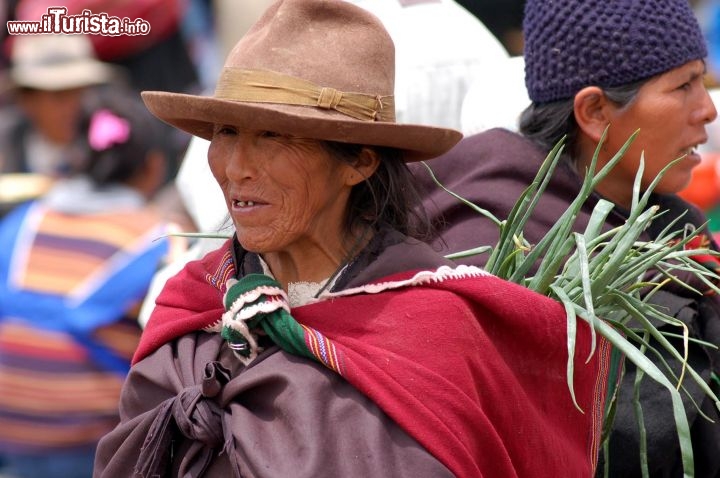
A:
473,368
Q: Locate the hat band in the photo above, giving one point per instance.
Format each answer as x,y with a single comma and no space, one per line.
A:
261,86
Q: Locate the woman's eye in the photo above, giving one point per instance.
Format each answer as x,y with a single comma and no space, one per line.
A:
224,130
268,134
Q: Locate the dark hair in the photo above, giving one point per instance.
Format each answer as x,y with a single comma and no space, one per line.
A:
547,123
120,161
389,196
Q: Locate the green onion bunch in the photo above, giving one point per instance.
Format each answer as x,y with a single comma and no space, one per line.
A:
607,278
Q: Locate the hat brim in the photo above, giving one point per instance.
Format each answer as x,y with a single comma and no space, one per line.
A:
197,115
62,77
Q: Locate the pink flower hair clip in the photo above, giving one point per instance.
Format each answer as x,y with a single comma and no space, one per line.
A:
107,130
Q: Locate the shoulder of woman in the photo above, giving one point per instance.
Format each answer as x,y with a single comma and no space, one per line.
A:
390,253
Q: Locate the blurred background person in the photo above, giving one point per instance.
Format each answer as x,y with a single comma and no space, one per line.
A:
52,78
440,49
74,267
167,57
495,100
158,59
503,18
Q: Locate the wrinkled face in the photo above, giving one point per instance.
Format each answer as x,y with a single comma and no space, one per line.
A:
671,111
55,114
282,192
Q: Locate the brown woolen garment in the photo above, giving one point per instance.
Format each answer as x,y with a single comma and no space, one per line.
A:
274,410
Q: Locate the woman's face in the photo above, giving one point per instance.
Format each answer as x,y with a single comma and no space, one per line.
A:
671,112
54,114
283,193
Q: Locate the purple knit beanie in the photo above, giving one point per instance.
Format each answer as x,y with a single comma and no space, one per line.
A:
571,44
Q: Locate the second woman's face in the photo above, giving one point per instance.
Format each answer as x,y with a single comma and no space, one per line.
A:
671,112
282,192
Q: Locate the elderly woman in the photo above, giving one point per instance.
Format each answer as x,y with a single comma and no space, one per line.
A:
619,65
325,339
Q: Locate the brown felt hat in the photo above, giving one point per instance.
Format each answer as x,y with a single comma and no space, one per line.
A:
322,69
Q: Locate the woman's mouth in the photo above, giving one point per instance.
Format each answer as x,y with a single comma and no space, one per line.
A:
247,205
692,153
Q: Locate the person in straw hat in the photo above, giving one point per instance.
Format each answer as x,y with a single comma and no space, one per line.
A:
324,338
51,77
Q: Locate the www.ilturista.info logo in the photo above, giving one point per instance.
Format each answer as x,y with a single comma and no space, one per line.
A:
57,21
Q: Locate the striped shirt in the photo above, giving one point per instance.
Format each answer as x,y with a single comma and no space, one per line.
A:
70,287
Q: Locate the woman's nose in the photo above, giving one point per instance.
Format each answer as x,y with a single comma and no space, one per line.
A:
708,112
242,163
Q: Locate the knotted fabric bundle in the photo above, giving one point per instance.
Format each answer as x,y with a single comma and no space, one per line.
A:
195,415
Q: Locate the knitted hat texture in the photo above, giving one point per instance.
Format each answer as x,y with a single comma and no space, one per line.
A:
571,44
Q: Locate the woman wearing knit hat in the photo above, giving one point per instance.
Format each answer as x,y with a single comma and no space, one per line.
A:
619,65
323,338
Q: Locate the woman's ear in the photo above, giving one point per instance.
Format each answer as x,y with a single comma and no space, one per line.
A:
365,165
591,109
